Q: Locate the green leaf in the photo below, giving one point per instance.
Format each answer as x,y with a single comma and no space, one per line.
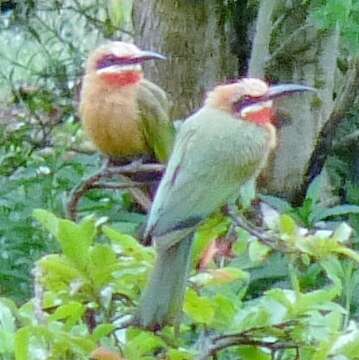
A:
287,225
102,330
76,239
140,343
348,345
343,233
7,329
58,271
227,275
258,251
240,246
348,252
277,203
175,354
71,312
251,317
128,245
225,310
317,299
102,264
213,228
314,190
253,353
198,308
334,269
218,277
48,220
321,214
22,340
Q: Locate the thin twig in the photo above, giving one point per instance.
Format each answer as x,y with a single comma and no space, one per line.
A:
125,322
270,240
117,186
39,295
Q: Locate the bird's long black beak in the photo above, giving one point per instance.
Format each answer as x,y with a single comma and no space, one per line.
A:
277,91
150,55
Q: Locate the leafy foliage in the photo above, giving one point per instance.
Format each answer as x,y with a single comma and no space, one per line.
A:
84,293
43,154
248,300
312,210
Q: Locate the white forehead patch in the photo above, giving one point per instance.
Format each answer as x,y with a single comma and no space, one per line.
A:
253,87
119,48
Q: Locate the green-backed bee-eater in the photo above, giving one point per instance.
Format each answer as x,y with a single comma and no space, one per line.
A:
124,115
219,148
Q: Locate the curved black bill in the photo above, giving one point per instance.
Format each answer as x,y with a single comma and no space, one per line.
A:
113,60
273,92
276,91
149,55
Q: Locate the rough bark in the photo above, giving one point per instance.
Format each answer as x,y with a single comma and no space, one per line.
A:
308,115
196,37
324,144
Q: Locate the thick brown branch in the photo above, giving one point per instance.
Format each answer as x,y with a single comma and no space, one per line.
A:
222,342
107,172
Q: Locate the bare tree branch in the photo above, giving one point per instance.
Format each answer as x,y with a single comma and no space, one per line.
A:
222,342
272,241
107,172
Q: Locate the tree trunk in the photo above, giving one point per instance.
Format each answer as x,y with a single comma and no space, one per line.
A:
195,36
302,57
261,41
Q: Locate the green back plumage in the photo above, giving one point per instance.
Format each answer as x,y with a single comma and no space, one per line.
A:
157,128
214,154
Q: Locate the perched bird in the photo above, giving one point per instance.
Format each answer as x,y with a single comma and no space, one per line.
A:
219,148
124,115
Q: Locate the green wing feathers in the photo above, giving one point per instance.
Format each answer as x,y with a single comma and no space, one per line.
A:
213,156
157,128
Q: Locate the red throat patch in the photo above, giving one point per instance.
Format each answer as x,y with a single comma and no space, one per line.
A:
122,79
260,117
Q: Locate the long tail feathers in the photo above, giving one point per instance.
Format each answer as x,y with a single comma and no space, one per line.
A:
161,302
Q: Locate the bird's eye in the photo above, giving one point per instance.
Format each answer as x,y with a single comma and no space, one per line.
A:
245,101
106,61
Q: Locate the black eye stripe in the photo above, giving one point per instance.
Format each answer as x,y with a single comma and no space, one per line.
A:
106,61
244,102
109,60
